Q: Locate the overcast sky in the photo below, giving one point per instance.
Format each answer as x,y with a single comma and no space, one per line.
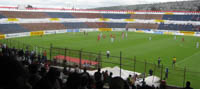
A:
78,3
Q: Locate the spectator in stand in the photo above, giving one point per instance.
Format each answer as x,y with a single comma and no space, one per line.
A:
105,75
188,85
85,74
39,57
34,74
26,55
163,84
50,81
13,75
85,79
44,56
97,77
118,83
21,54
109,77
129,80
73,81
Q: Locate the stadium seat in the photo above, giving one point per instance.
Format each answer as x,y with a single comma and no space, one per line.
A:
117,16
11,28
116,25
60,15
75,25
87,15
43,26
21,14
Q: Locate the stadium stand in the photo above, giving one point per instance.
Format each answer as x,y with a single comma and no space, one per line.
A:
43,26
60,15
21,14
91,25
142,26
75,25
146,16
11,28
116,16
101,25
87,15
116,25
1,16
175,27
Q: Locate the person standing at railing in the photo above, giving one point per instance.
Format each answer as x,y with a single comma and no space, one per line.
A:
44,56
197,45
159,61
108,54
173,61
166,73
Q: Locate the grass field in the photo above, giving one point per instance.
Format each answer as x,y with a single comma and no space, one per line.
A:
136,44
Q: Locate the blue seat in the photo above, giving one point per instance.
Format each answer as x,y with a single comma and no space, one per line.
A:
59,15
116,16
11,28
75,25
116,25
2,16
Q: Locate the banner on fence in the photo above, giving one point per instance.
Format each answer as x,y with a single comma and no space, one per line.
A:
2,36
129,20
12,19
54,19
37,33
187,33
61,31
105,29
50,32
17,35
104,19
158,20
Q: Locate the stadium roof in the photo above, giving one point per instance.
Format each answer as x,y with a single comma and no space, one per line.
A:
82,4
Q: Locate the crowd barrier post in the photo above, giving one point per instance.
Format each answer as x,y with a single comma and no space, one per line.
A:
161,73
134,66
154,69
99,60
184,77
80,58
145,68
65,55
120,63
50,52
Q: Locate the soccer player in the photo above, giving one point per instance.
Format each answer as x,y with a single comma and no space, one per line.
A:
126,34
98,38
197,46
183,39
159,60
108,54
112,39
104,36
175,37
150,38
122,35
173,61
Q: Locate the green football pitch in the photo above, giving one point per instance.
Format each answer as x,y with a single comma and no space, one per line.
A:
136,44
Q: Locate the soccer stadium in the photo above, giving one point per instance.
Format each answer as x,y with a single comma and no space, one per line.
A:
141,46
